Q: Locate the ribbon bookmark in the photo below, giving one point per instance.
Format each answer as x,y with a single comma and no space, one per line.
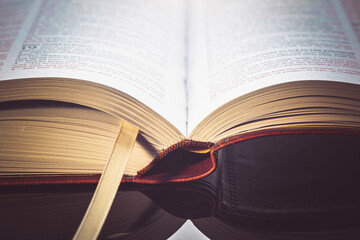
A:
108,185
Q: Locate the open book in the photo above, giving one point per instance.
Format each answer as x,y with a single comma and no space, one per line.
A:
188,74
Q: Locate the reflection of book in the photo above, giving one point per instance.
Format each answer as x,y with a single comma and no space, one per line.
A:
216,70
55,213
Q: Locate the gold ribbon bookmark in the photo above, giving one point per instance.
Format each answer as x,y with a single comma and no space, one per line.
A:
108,185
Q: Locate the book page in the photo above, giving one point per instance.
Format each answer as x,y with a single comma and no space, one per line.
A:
253,44
12,16
136,47
352,10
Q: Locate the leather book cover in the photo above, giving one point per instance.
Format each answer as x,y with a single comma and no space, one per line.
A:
182,162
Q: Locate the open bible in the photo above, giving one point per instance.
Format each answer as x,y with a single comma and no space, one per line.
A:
188,74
